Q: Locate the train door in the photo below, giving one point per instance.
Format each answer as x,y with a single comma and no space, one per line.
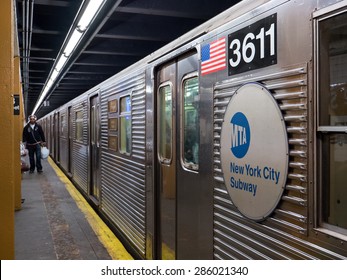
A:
178,148
55,136
69,139
94,190
58,130
51,134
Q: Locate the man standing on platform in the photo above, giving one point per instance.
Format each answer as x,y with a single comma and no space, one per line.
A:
34,138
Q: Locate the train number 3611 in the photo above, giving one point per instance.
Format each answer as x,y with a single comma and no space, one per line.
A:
253,47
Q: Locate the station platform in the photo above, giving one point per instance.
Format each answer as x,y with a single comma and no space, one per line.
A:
57,223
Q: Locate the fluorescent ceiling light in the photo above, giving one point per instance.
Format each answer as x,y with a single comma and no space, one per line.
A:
49,83
73,41
38,103
84,22
54,75
61,61
89,13
45,91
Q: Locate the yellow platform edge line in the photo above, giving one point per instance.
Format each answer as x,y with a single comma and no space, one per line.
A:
112,244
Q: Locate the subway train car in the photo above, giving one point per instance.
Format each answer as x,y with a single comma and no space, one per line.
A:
228,143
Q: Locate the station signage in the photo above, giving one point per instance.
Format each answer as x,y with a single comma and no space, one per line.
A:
16,106
254,151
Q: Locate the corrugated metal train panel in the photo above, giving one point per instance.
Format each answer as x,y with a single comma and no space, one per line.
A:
236,237
122,176
80,150
63,141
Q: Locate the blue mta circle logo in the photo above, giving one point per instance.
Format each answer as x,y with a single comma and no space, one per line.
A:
240,135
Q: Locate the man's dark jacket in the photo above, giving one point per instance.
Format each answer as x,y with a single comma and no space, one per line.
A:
33,136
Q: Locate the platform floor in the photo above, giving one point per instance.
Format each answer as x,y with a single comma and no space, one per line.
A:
56,223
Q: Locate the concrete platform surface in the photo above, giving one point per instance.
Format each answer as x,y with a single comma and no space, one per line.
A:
50,225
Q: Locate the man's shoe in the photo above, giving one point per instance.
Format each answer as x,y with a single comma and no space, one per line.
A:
40,171
31,171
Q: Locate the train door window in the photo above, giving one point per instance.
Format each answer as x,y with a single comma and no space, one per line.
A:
63,126
79,125
165,123
332,121
125,125
190,123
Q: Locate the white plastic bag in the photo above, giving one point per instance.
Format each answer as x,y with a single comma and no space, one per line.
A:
23,151
44,152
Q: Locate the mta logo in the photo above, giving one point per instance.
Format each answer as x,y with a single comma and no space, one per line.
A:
240,135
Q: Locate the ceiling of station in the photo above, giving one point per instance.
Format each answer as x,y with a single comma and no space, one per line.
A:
123,32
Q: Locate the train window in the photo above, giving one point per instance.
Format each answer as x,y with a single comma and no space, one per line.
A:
190,123
63,126
165,123
332,123
79,126
125,125
333,71
113,124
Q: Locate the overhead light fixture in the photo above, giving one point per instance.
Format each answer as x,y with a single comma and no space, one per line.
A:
61,62
49,83
89,13
73,42
54,75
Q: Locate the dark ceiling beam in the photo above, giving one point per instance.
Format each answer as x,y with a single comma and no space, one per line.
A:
40,67
92,76
39,61
200,9
63,93
36,84
161,12
105,60
46,31
131,46
131,37
86,72
33,90
73,84
37,71
53,3
33,58
91,69
77,87
34,49
114,53
35,77
96,63
43,31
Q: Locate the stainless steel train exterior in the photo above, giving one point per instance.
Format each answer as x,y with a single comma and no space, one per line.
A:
156,148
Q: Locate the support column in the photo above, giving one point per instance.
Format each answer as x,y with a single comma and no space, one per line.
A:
17,126
6,132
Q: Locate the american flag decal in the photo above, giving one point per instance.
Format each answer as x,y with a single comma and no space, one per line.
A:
213,57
